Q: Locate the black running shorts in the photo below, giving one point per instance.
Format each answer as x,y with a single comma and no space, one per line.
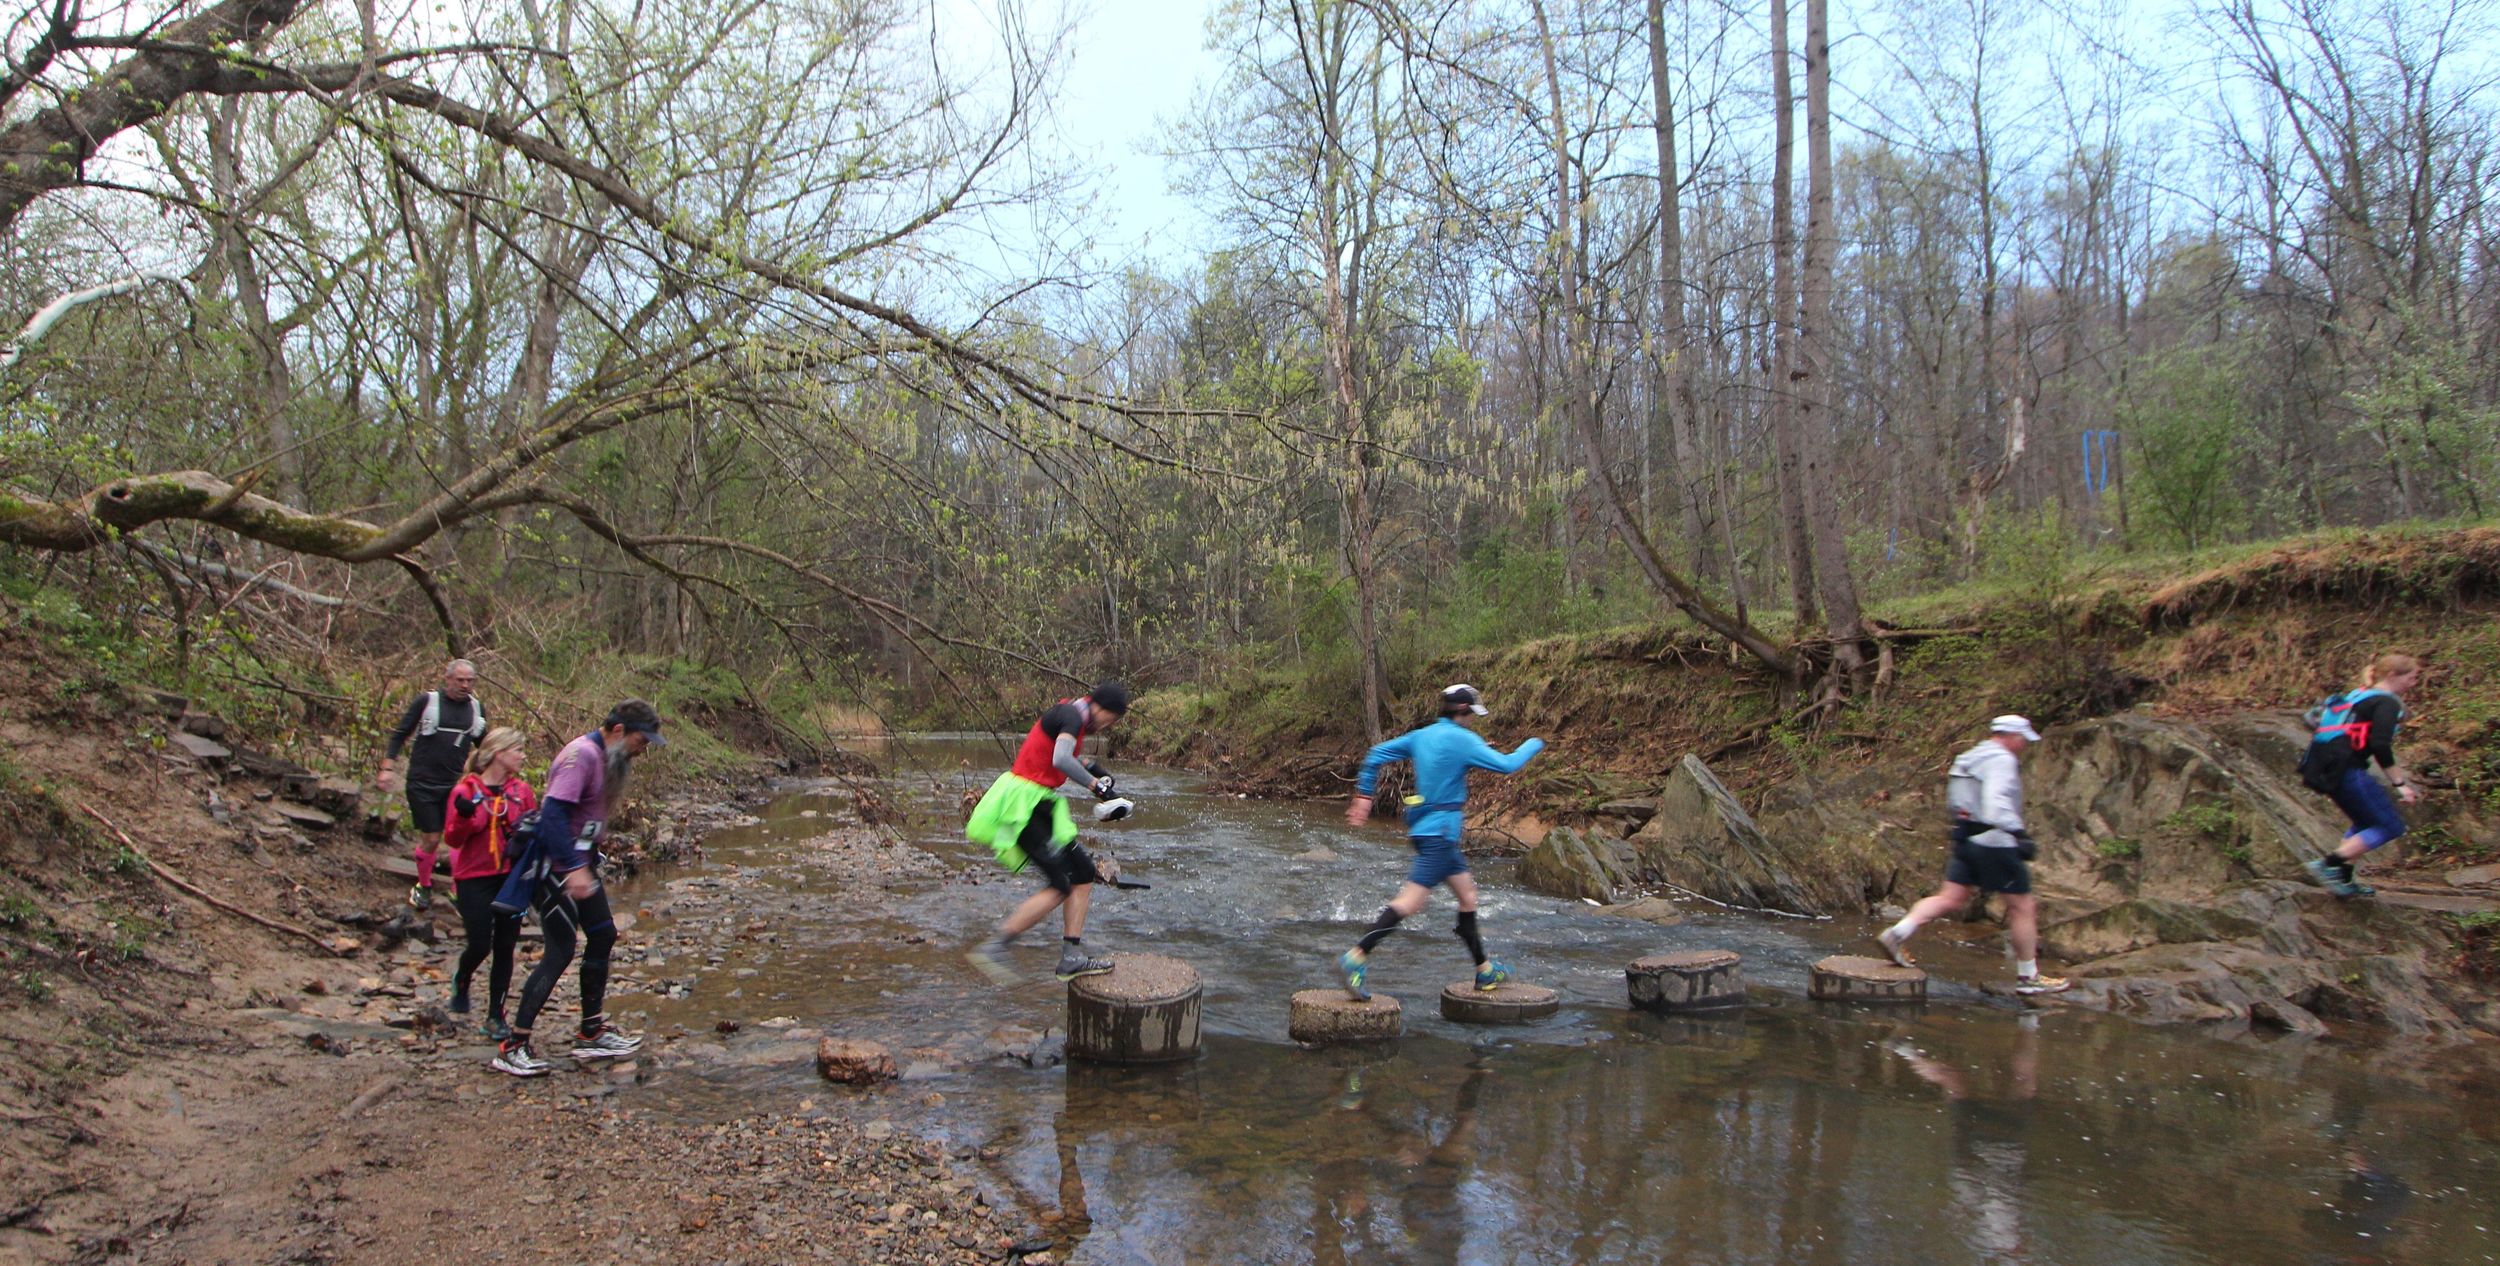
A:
426,807
1989,869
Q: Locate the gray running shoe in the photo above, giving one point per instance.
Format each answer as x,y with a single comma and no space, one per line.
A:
1073,963
420,897
990,959
1893,948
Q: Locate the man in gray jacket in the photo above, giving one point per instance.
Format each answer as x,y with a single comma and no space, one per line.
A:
1990,852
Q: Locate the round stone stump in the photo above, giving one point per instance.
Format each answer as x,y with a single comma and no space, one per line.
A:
1327,1015
1143,1011
1510,1003
1692,980
1850,978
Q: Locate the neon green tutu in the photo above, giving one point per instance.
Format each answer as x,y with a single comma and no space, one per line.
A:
1003,811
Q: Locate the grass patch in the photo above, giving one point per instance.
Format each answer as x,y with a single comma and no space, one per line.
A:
2119,850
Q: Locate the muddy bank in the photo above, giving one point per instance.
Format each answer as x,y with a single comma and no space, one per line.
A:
254,1064
320,1110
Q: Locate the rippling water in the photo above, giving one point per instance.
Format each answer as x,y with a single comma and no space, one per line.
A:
1796,1132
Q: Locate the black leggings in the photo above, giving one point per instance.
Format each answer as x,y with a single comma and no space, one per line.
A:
488,933
562,918
1062,869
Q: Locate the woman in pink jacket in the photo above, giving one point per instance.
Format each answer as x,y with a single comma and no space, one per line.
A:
486,805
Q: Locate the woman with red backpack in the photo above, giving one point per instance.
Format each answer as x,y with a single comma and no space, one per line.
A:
2348,732
483,811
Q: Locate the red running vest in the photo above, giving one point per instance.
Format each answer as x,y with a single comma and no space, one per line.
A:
1033,763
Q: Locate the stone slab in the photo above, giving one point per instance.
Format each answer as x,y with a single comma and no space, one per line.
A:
304,815
2475,876
206,751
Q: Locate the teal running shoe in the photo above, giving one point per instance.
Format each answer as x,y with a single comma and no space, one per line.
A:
1490,976
1356,968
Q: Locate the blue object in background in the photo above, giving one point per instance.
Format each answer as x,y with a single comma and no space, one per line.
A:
2100,451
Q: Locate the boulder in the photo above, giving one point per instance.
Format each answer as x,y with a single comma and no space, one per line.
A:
2133,925
341,797
853,1062
1702,839
1571,863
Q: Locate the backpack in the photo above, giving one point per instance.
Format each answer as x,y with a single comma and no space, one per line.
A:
430,721
2335,740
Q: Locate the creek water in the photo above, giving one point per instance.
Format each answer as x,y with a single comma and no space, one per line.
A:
1966,1130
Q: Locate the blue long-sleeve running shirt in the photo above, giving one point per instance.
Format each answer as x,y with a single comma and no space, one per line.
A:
1442,753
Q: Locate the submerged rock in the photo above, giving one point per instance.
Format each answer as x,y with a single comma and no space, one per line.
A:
853,1062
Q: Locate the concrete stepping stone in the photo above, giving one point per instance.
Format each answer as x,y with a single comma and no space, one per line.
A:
1143,1011
1508,1003
1855,978
1328,1015
1687,980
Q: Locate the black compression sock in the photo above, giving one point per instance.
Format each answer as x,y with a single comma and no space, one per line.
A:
1467,932
1380,930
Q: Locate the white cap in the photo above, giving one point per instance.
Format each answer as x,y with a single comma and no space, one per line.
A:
1462,695
2011,724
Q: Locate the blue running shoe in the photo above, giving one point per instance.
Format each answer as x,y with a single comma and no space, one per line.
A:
1355,967
1490,976
2331,877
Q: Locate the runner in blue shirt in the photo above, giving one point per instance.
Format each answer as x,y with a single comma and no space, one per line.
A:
1442,753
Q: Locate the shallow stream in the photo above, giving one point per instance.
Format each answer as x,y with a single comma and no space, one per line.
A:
1963,1131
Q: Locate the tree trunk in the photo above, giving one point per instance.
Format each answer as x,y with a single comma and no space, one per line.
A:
1797,542
1580,403
1675,331
1817,435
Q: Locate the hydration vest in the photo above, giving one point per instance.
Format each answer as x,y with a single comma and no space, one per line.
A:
2336,739
1033,759
431,720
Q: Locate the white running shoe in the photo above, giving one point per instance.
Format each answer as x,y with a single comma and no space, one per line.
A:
1894,947
517,1059
606,1042
2042,984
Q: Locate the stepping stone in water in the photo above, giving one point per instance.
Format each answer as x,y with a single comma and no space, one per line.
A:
1511,1003
1327,1015
1853,978
1689,980
1143,1011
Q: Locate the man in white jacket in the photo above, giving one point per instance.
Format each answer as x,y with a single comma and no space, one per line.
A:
1990,846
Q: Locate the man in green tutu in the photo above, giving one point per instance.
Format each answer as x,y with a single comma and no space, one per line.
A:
1026,822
